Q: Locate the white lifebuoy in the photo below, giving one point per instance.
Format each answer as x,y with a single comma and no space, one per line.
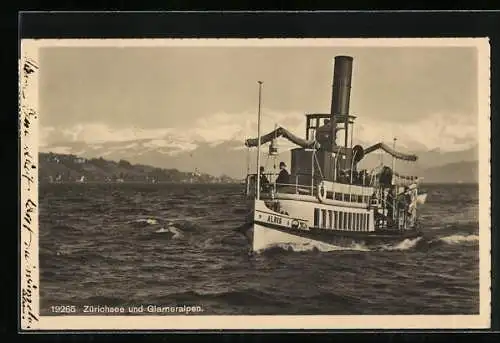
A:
321,191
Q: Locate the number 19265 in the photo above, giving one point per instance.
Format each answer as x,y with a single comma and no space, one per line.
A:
63,309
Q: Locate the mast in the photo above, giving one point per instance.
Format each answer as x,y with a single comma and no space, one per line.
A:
258,141
393,158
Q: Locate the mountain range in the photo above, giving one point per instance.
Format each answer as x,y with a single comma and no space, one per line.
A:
231,158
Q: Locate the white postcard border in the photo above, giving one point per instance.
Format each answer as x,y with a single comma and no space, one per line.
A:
29,263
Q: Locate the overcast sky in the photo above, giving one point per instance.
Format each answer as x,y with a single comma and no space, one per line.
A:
214,90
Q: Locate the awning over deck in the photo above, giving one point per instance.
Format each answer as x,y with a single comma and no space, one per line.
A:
282,132
390,151
313,144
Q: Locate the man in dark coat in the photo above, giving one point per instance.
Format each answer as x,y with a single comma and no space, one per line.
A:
284,176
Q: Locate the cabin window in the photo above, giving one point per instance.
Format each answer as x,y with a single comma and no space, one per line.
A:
329,195
330,219
338,196
366,199
349,221
336,217
367,219
360,198
316,217
341,220
356,221
346,197
323,218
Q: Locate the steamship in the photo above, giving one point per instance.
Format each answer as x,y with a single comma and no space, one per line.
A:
327,199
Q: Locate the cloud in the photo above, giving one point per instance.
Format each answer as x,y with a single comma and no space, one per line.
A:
446,131
96,134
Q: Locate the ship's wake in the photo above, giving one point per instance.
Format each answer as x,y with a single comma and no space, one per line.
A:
458,239
406,244
419,243
425,243
315,246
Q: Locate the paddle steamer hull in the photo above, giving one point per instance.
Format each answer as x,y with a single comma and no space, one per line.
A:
309,223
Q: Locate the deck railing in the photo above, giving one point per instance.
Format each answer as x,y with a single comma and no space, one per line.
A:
307,188
290,188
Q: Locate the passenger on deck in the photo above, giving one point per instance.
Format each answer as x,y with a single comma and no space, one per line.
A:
402,199
407,199
340,176
264,182
390,203
284,176
355,178
343,177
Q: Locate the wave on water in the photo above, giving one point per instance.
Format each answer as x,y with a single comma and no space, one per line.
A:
150,221
177,233
314,246
406,244
143,222
458,239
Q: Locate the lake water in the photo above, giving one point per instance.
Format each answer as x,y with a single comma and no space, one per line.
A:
175,245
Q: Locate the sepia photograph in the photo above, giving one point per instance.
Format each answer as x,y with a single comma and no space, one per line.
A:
255,184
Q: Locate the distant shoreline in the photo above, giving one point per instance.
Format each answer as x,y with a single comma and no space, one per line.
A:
209,183
139,183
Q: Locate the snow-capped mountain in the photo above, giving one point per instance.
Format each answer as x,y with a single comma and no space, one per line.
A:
215,144
231,157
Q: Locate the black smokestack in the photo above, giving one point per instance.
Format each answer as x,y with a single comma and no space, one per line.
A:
341,90
341,93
